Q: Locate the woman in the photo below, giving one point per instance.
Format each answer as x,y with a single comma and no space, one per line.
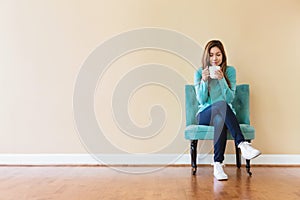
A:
215,92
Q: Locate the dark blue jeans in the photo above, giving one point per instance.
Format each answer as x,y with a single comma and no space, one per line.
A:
222,118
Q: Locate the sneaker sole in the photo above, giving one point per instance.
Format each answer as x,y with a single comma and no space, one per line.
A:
252,157
222,179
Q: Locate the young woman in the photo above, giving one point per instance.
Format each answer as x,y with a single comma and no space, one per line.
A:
215,92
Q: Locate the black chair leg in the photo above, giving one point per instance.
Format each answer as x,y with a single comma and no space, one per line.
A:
248,163
248,167
194,156
238,156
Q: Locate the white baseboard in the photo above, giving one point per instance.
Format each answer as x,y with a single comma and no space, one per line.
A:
132,159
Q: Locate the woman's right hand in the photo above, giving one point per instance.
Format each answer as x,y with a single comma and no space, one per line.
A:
205,74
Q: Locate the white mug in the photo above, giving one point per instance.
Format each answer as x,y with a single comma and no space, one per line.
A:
212,71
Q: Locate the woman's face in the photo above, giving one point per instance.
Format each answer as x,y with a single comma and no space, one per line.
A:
215,56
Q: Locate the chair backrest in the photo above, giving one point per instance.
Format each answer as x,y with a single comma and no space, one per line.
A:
240,104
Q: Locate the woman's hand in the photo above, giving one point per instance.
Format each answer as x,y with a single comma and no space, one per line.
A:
205,74
219,74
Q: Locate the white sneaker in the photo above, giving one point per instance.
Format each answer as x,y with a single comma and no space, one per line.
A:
248,152
218,171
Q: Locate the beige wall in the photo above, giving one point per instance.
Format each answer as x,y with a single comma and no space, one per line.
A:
44,43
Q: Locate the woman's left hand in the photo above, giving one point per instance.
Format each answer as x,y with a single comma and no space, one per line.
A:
219,74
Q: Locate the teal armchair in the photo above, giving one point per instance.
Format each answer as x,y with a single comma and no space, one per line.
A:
195,132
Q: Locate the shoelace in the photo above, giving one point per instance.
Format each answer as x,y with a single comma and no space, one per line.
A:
244,143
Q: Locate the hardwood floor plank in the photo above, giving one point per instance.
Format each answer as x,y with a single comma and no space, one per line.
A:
89,183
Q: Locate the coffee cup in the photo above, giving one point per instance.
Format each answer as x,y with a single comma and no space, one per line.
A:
212,71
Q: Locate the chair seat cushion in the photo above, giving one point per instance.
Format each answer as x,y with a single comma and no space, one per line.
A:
203,132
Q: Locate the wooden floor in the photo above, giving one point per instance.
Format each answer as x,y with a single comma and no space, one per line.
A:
88,183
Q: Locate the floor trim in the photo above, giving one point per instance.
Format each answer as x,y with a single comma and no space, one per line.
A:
132,159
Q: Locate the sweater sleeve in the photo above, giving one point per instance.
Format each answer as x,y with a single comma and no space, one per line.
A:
229,92
201,87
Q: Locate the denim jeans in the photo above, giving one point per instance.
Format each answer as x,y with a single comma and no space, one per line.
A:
221,116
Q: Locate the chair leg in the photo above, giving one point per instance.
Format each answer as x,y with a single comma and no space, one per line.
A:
248,167
194,156
237,156
248,164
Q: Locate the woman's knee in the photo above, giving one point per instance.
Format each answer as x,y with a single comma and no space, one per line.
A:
218,120
220,107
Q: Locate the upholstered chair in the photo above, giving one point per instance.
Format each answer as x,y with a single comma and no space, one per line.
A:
195,132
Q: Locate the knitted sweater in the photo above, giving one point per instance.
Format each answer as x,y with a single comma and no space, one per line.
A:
214,90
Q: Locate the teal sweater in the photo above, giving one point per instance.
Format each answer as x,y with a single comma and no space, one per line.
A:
215,90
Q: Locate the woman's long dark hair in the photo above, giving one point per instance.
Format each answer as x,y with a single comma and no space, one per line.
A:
205,58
